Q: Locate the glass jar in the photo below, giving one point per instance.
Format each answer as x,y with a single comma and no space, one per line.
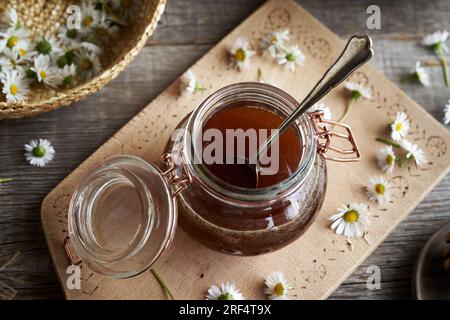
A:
123,216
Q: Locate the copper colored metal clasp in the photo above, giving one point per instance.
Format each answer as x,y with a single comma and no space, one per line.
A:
70,252
180,180
324,134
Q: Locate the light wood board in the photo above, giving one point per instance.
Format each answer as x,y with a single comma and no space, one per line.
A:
320,260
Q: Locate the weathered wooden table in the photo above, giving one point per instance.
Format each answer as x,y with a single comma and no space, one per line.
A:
187,30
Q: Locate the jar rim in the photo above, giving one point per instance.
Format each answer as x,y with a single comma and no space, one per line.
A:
143,252
286,104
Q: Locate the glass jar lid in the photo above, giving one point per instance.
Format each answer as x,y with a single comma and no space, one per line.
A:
122,217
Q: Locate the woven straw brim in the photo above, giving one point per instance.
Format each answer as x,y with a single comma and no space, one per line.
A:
44,17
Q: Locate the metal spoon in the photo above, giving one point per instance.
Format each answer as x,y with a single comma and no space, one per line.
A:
357,51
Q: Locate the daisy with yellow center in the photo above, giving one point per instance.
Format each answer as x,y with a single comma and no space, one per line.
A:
273,42
379,190
15,85
88,63
352,220
12,38
89,15
45,72
400,126
277,288
386,159
241,54
226,291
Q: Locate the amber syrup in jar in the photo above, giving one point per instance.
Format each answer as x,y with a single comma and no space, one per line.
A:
254,117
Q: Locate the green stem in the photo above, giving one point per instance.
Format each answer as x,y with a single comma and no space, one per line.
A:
444,66
404,161
162,284
2,180
261,76
389,142
347,109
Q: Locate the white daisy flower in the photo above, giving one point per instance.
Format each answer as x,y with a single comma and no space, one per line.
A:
15,85
68,37
436,40
12,38
45,73
379,190
104,28
277,287
352,221
386,159
358,91
39,152
274,41
14,59
92,47
319,106
447,113
189,83
400,126
68,74
89,15
420,74
48,46
11,19
88,64
414,152
227,291
290,57
241,54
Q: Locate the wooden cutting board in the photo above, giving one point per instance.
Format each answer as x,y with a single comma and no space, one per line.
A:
320,260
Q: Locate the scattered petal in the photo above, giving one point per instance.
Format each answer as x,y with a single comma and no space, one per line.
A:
447,113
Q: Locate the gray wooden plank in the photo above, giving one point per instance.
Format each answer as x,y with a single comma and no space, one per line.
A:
186,32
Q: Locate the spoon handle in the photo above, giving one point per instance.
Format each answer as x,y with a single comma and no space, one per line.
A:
357,51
